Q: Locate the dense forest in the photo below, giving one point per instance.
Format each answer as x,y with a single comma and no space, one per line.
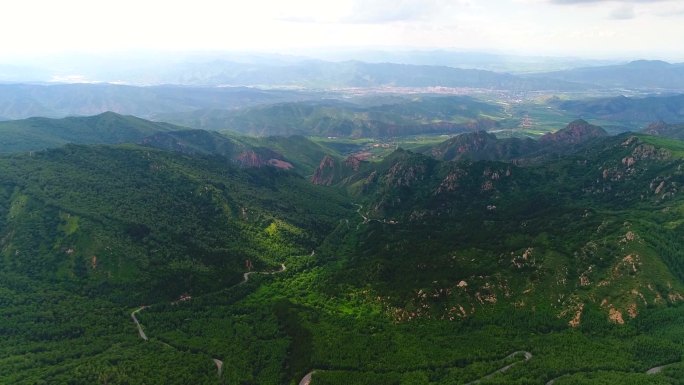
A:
564,267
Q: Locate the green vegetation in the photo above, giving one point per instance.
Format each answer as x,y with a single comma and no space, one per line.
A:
40,133
407,270
419,116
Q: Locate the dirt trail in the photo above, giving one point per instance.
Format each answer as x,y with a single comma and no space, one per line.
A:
368,220
658,369
654,370
306,380
527,355
217,362
141,332
219,366
245,278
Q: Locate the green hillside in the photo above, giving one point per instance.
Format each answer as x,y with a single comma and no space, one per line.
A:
107,128
411,270
421,115
294,152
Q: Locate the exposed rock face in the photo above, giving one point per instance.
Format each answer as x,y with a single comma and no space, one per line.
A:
615,316
353,162
193,142
576,132
577,318
405,174
325,173
279,163
451,182
249,159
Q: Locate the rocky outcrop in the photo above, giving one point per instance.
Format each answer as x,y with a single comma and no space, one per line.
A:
353,162
325,173
249,159
403,174
254,159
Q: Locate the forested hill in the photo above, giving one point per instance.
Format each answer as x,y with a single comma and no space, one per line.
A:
585,229
35,134
150,223
407,270
420,115
107,128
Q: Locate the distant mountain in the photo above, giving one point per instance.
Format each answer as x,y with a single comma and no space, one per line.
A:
420,115
318,74
660,128
145,68
463,59
481,145
576,132
19,101
322,74
106,128
641,74
631,113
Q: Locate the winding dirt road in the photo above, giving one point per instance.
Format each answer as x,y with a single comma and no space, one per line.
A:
527,356
245,278
654,370
658,369
219,366
306,380
141,332
368,220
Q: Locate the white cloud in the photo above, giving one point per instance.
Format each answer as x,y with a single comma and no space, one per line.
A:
385,11
624,12
524,26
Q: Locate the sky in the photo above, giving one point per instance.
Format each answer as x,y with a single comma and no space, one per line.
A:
581,28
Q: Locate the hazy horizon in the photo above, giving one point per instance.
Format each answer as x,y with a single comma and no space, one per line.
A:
588,29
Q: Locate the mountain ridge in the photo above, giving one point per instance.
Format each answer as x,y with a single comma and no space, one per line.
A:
38,133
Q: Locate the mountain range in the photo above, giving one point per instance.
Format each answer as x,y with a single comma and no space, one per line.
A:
419,115
650,75
561,257
281,220
18,101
